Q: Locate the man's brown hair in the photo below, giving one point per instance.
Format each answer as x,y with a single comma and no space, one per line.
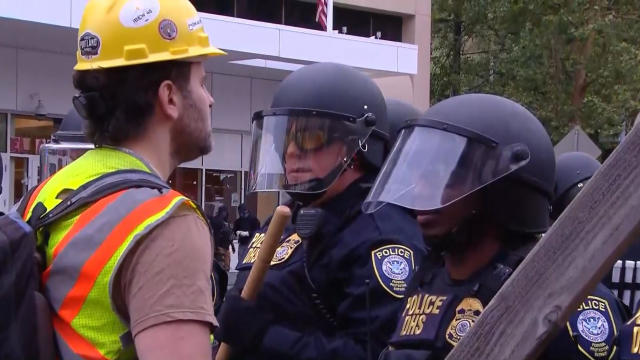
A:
121,100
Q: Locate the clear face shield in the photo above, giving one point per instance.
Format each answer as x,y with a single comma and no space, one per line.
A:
303,151
55,156
434,164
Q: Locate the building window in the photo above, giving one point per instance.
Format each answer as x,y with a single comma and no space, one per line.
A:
366,24
222,187
28,133
352,22
218,7
386,27
269,11
19,170
3,133
301,14
188,182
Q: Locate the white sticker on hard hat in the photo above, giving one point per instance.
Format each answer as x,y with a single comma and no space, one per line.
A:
194,23
89,45
137,13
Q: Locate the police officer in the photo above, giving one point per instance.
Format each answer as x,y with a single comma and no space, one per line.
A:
479,172
338,277
629,339
574,169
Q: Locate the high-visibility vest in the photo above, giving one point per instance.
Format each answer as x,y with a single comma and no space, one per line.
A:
84,251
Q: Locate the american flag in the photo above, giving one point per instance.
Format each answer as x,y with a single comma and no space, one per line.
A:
321,14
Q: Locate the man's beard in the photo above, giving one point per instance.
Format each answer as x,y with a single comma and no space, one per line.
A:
189,137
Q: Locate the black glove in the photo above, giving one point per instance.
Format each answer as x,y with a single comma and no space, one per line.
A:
242,325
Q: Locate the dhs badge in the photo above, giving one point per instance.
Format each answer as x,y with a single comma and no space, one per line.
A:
393,265
286,249
467,313
593,328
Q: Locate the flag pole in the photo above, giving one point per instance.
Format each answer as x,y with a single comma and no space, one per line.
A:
329,15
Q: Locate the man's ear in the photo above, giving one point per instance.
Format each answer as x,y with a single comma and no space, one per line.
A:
169,100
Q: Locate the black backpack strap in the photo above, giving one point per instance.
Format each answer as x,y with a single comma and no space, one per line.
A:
98,188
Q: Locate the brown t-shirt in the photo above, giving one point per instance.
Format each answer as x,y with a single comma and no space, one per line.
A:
167,275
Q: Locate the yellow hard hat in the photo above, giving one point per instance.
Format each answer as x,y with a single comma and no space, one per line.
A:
117,33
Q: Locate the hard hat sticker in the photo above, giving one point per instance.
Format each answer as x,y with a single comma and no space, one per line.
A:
89,45
138,13
194,23
168,29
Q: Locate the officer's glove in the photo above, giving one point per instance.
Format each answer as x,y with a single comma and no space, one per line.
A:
242,325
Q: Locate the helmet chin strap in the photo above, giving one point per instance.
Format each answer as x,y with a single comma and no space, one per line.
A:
313,189
461,238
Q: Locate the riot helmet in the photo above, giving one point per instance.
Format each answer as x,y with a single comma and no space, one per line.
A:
67,144
573,170
471,143
321,116
398,112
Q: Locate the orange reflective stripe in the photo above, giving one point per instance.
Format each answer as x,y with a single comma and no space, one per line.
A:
86,217
75,342
33,198
73,301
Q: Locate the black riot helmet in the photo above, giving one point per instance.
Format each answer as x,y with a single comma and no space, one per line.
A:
469,143
321,116
71,128
398,112
68,143
573,169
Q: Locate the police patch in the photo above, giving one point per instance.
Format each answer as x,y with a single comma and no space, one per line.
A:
253,248
419,323
286,249
393,265
467,313
593,328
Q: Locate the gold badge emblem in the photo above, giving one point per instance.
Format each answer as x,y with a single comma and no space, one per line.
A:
467,313
286,249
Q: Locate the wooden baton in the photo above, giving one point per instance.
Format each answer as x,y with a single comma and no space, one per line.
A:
280,218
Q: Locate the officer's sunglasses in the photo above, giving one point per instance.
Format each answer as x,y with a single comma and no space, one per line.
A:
310,138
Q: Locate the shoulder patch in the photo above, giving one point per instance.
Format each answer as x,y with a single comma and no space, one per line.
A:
286,249
467,313
593,328
394,266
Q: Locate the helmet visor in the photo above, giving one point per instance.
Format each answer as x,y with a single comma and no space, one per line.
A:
430,168
302,151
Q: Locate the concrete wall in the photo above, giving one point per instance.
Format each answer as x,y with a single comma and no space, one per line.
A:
417,30
407,7
26,78
29,75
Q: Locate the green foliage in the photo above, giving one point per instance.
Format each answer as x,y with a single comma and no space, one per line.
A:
572,62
